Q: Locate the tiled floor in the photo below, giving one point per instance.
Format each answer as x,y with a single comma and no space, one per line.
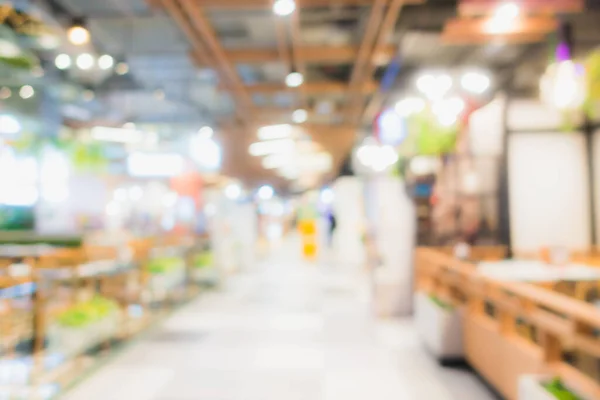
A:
286,331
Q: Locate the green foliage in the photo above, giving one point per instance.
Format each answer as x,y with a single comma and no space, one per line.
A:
558,390
88,157
83,314
203,260
427,137
163,265
440,303
14,218
592,67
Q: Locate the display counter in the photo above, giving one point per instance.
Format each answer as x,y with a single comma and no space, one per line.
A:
515,333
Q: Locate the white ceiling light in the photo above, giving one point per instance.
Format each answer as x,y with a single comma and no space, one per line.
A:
63,61
275,132
78,35
275,161
206,132
106,62
265,192
155,164
122,68
128,125
563,86
85,61
9,125
434,86
294,79
233,191
504,19
410,106
205,152
26,92
284,7
299,116
271,147
475,82
48,41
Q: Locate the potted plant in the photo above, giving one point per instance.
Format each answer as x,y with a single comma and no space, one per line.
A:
440,325
534,387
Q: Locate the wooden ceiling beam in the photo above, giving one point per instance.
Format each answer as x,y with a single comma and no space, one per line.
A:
267,4
474,39
310,88
364,54
389,23
310,54
482,26
222,64
487,7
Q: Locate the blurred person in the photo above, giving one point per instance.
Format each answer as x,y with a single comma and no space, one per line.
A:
332,227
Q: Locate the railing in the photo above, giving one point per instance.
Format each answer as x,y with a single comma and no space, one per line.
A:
513,329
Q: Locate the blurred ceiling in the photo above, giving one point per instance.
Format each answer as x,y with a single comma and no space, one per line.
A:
224,62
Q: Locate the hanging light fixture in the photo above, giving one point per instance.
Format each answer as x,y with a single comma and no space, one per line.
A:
563,85
284,7
294,79
78,33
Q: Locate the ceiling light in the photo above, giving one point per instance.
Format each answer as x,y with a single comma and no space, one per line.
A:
275,132
63,61
563,86
129,125
26,92
294,79
85,61
327,196
206,132
265,192
475,82
433,86
275,161
155,164
271,147
78,34
206,152
9,125
504,19
106,62
233,191
122,68
409,106
5,93
299,116
284,7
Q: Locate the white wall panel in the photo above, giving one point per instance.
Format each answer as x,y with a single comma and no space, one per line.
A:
548,188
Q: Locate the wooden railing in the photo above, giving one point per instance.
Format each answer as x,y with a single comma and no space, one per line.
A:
513,329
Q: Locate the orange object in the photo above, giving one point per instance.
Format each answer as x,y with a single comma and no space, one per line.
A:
308,228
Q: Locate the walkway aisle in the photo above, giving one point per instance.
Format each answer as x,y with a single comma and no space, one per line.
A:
287,331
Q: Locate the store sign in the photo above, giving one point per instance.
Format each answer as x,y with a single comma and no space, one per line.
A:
21,22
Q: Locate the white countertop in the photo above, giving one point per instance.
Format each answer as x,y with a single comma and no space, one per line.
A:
537,271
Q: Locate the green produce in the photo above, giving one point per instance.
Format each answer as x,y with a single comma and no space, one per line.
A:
82,314
163,265
203,260
440,303
558,390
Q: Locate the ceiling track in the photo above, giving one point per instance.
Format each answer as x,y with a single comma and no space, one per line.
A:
208,51
365,53
389,23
